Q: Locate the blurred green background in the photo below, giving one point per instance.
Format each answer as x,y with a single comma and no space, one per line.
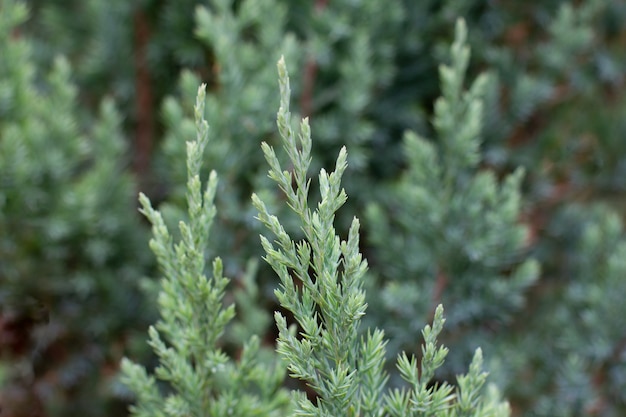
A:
96,104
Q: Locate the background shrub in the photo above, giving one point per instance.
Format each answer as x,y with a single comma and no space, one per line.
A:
73,247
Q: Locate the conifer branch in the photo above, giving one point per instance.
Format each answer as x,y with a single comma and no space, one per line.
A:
344,369
203,379
344,366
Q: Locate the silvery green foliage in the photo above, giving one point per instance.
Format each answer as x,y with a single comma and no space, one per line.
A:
352,62
321,285
542,80
344,368
71,247
458,221
203,380
242,81
588,377
244,46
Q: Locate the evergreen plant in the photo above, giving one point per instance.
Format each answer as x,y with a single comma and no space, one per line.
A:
553,104
203,379
321,280
460,225
71,249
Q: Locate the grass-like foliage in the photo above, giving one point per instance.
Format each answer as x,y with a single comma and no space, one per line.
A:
321,285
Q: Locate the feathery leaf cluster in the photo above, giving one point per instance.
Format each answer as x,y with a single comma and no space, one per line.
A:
322,281
462,225
202,378
453,220
321,285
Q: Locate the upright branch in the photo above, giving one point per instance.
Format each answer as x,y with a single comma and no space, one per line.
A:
203,380
331,300
331,354
343,365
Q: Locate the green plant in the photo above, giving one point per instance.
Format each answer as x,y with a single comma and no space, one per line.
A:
553,105
70,246
322,281
457,220
203,379
321,286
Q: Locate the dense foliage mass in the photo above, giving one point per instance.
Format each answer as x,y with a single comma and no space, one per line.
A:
502,199
344,369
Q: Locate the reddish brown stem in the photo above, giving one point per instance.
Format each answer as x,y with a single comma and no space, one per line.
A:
306,100
320,4
310,73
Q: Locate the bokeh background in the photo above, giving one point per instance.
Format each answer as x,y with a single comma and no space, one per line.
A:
96,104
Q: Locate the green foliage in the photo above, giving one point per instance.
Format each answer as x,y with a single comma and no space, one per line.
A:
346,63
241,80
101,58
239,116
238,112
70,249
553,104
460,224
568,372
345,370
202,378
